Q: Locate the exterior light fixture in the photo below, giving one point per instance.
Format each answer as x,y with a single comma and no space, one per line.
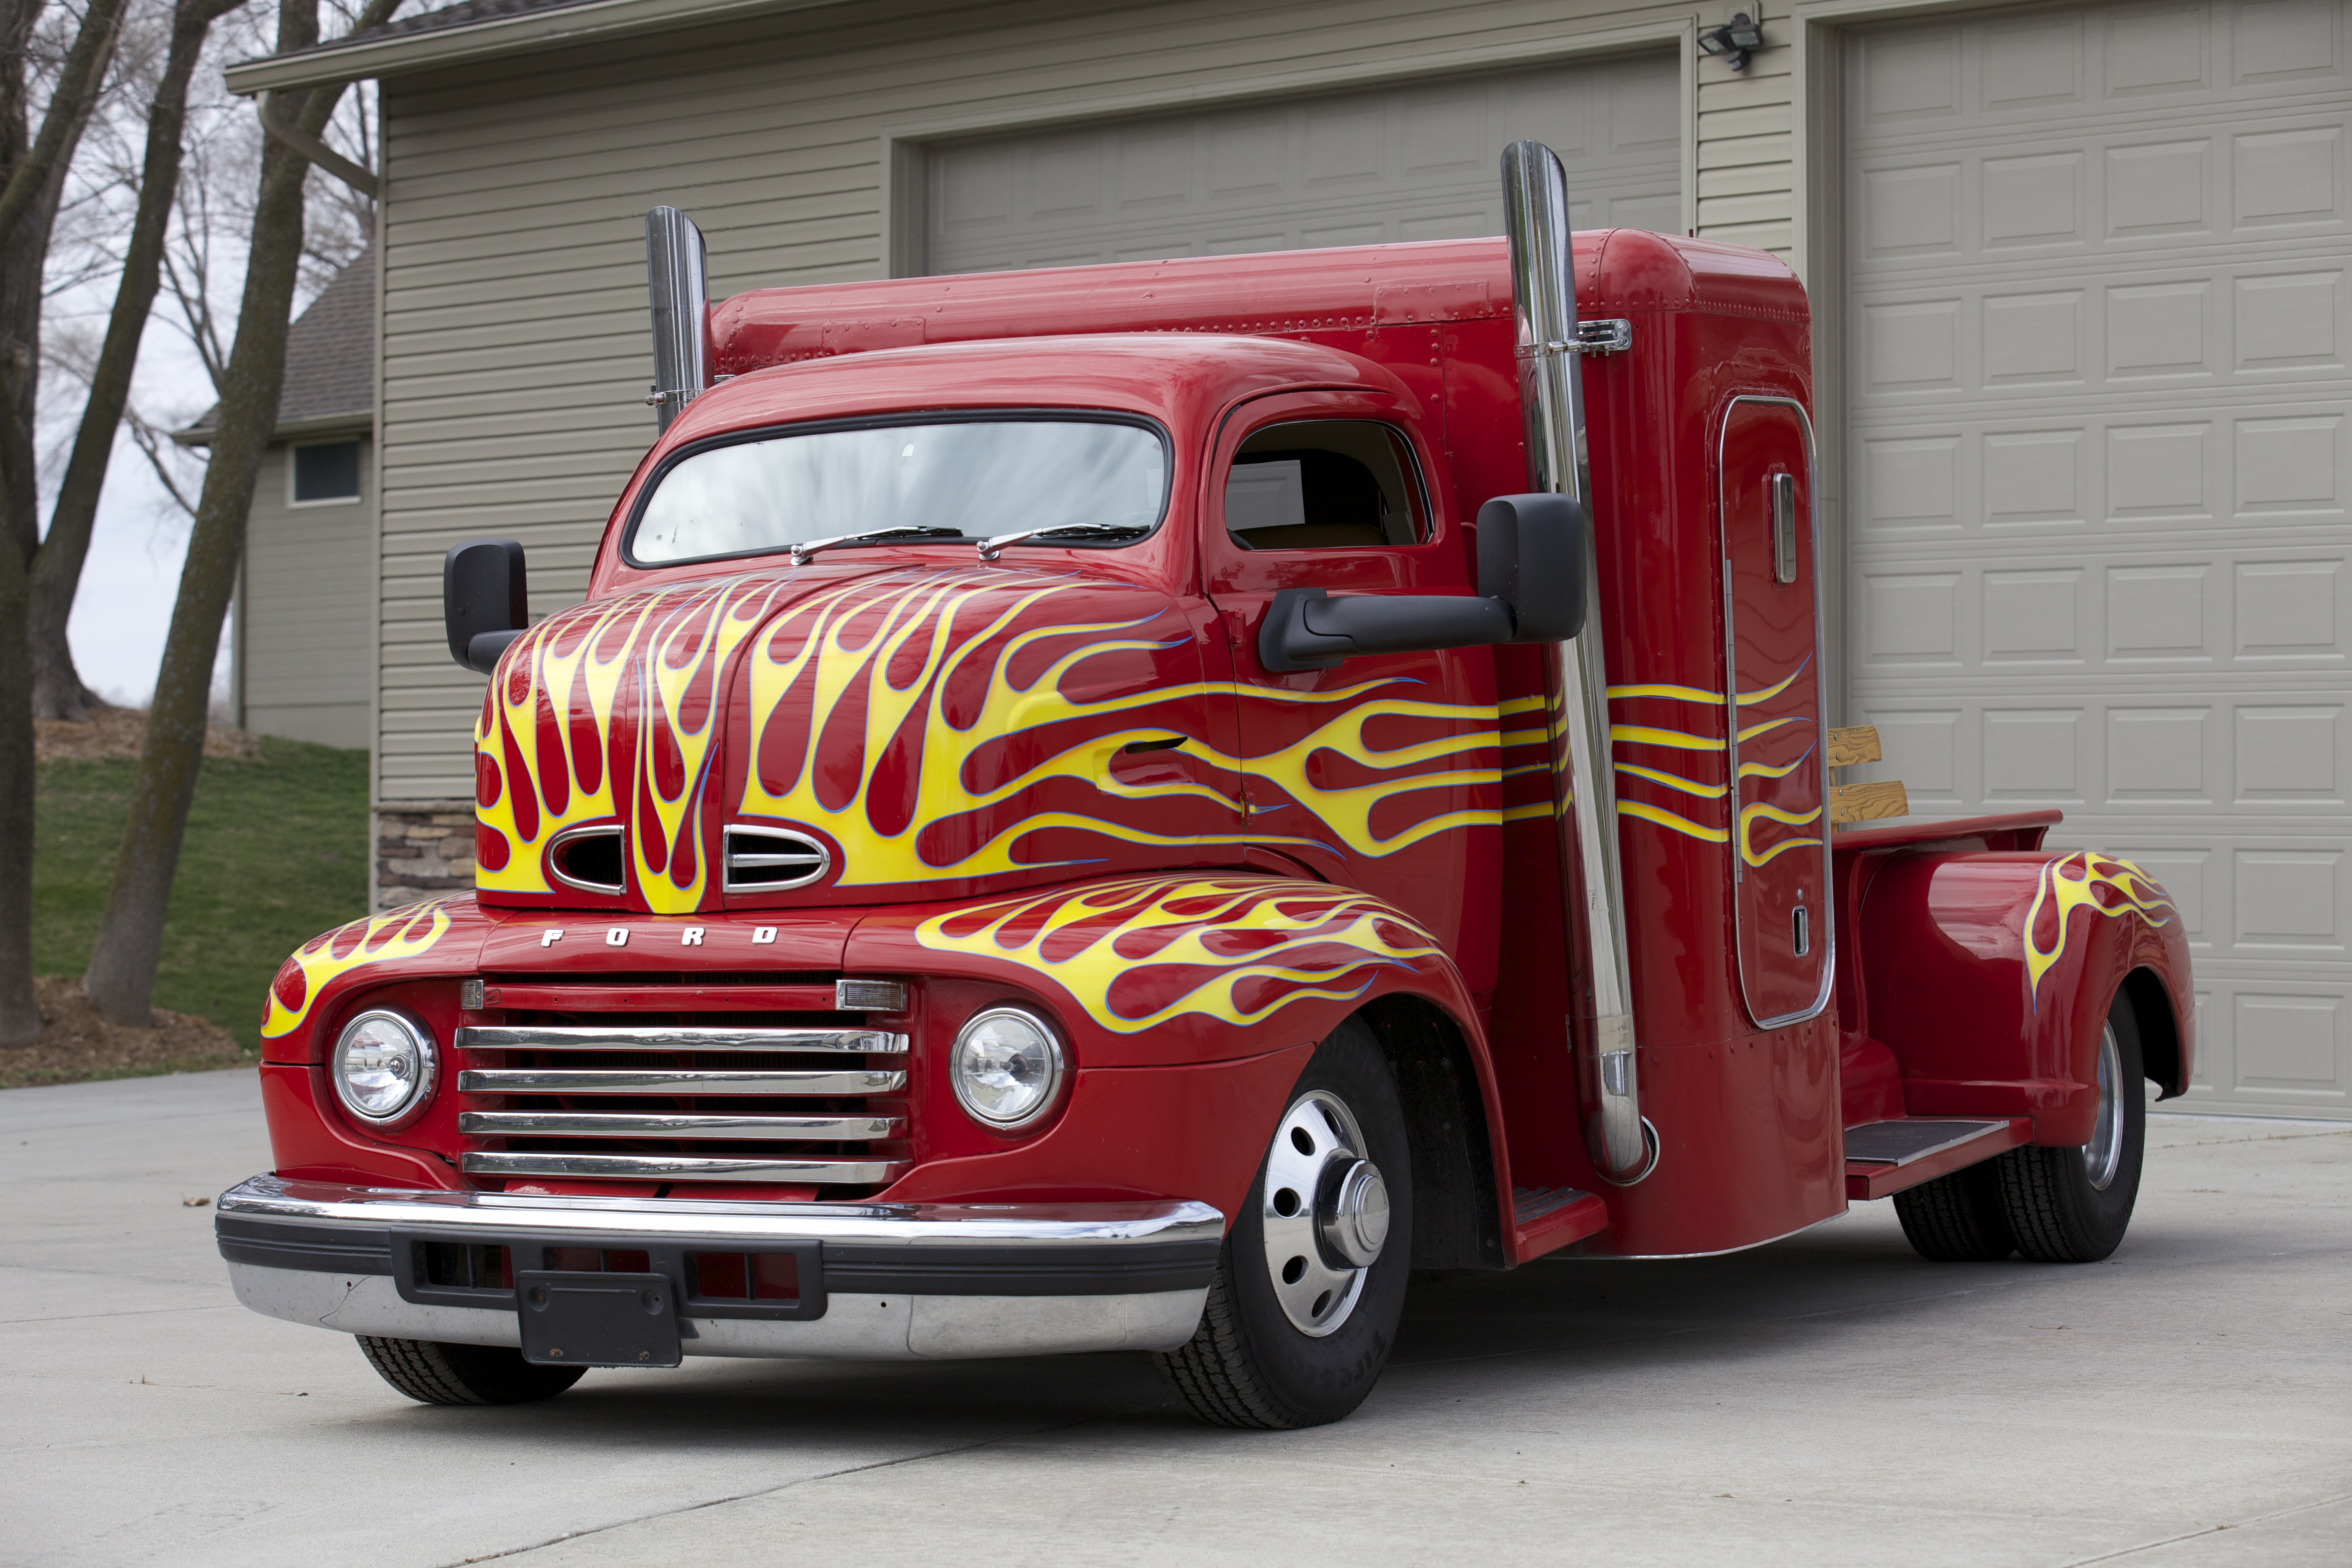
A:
1732,42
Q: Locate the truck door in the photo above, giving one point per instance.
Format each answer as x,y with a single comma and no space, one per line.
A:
1381,772
1772,635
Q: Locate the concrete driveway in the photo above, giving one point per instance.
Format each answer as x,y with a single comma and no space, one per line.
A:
1827,1400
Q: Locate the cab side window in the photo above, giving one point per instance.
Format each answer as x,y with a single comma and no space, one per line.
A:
1326,484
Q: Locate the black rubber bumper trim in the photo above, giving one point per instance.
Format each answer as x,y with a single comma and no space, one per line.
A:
1020,1270
962,1270
315,1248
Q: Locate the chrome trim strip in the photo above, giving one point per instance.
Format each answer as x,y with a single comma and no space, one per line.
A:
456,1215
1822,710
861,1327
670,1037
799,849
685,1168
662,1125
591,1080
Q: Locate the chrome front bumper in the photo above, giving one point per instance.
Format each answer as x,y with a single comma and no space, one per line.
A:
878,1280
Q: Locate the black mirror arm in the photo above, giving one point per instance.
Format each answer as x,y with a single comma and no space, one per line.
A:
1306,629
482,653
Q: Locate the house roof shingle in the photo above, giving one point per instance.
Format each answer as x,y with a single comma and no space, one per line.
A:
329,354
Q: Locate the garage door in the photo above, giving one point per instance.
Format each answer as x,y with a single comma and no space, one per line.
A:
2097,471
1402,163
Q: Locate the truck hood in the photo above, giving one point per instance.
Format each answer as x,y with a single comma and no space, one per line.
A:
934,731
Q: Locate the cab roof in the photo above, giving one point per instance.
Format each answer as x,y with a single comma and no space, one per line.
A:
1619,272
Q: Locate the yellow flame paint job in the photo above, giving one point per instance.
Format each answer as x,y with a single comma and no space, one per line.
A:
396,933
1675,781
653,628
1665,818
1749,817
1321,941
1674,739
916,619
920,617
2135,892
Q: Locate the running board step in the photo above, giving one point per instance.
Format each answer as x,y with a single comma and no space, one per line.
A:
1544,1219
1882,1158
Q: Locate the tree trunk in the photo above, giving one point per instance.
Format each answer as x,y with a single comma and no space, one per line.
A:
122,975
58,689
32,181
20,1019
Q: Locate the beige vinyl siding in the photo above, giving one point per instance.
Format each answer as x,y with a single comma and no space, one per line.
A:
305,611
514,343
1747,142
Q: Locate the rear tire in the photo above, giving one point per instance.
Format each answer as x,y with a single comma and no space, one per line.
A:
1251,1363
433,1374
2073,1205
1957,1218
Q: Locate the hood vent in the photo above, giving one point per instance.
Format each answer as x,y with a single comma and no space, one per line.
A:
772,860
587,859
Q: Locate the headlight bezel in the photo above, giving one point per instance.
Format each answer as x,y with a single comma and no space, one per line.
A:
1057,1059
420,1094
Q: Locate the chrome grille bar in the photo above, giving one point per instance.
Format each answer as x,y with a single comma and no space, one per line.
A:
686,1168
666,1037
590,1081
660,1124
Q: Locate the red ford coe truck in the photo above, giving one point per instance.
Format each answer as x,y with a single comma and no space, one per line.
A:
1131,807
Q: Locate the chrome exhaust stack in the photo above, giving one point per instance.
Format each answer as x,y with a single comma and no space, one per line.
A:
677,279
1623,1145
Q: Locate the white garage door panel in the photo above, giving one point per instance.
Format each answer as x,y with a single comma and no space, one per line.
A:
2099,461
1399,164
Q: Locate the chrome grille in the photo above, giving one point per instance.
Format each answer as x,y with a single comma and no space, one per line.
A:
808,1104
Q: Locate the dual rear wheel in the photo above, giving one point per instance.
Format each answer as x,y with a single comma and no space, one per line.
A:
2052,1205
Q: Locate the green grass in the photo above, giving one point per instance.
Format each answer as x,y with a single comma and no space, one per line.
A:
275,853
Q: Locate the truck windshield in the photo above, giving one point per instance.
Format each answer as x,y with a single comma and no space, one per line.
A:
981,475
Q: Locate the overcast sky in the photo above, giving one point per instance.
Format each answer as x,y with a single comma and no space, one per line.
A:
129,585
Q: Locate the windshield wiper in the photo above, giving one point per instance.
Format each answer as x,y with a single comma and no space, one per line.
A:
806,548
989,547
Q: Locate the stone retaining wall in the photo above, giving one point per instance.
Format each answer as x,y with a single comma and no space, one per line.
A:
423,848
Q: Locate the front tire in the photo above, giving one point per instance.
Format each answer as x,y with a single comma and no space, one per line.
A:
2073,1205
433,1374
1303,1313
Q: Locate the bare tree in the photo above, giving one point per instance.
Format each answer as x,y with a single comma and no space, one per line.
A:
122,974
57,689
29,201
201,258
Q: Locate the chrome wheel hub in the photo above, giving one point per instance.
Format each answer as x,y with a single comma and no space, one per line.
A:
1325,1214
2105,1151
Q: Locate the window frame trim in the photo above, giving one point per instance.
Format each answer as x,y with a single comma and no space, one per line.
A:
359,496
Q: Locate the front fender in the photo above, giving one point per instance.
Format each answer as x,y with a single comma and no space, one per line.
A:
1990,975
1190,972
1180,968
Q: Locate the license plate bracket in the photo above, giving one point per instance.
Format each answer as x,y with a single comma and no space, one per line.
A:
578,1318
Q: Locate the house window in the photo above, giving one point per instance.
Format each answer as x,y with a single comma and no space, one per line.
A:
328,471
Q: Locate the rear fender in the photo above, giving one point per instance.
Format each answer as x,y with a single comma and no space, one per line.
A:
1990,975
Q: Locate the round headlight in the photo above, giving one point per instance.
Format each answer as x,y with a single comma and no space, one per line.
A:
383,1066
1007,1066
